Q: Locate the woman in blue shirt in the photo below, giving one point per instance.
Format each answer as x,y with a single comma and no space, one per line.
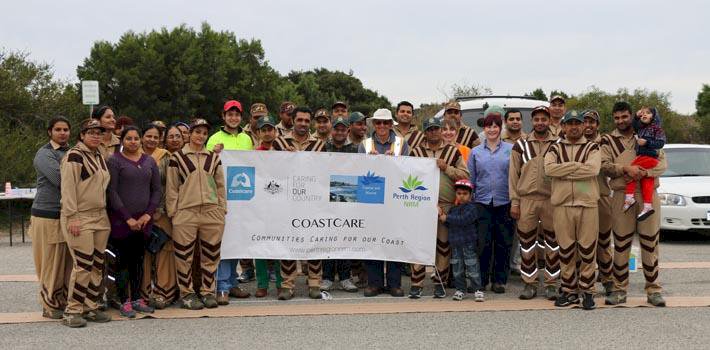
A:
488,164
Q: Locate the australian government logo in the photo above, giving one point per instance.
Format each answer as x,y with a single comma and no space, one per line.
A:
273,187
368,188
240,183
412,192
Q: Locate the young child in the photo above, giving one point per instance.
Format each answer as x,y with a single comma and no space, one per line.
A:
461,221
651,139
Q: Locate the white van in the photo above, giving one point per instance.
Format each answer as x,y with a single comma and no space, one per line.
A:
472,108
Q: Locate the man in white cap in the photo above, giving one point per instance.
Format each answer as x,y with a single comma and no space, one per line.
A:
384,141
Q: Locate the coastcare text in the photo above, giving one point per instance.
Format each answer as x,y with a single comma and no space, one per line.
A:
328,223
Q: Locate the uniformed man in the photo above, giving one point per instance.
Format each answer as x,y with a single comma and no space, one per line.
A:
404,114
358,128
322,125
466,136
618,151
256,111
300,140
285,126
339,109
338,142
383,141
110,143
604,253
231,137
529,191
195,199
573,163
513,131
85,224
557,111
452,168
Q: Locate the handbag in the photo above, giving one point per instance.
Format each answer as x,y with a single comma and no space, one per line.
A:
157,240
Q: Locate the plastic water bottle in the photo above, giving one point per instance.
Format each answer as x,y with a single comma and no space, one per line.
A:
634,258
8,189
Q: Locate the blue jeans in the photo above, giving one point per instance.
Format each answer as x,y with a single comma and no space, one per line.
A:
464,257
376,271
227,277
330,267
495,234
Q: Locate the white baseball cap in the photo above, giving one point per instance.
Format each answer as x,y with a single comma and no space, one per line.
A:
383,114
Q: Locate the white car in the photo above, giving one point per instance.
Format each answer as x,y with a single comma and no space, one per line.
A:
685,188
472,108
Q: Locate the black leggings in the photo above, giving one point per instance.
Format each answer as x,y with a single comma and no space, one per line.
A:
129,265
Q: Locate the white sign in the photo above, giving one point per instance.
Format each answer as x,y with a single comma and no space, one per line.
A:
318,205
90,92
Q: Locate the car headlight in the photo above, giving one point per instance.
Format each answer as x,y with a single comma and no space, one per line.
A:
671,200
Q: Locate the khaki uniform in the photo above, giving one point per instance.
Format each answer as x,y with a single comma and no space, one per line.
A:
529,188
108,149
252,134
506,137
85,178
575,195
467,137
604,254
556,129
289,267
619,151
159,279
195,200
413,136
282,130
53,262
456,170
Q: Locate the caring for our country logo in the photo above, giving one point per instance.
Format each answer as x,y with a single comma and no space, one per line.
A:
412,192
240,180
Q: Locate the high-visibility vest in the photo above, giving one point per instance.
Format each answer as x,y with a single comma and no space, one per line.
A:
395,148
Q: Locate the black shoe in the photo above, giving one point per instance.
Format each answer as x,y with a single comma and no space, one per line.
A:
588,302
439,292
498,288
567,299
415,292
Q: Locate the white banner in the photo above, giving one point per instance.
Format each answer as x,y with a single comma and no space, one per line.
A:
313,205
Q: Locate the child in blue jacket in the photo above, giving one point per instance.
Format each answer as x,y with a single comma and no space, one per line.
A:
461,221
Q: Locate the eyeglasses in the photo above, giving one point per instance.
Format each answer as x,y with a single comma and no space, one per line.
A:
380,122
94,133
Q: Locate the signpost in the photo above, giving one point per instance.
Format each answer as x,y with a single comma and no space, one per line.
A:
90,94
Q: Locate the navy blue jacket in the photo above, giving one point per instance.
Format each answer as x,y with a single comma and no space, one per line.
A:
462,221
653,134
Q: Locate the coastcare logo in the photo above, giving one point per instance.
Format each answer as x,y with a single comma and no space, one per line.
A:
240,183
411,196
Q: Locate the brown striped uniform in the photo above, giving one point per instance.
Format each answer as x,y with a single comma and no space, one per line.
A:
195,199
413,136
456,170
619,151
467,137
604,252
289,267
506,137
282,130
574,168
84,179
113,146
529,189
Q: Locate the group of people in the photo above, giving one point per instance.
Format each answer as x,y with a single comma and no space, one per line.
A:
134,218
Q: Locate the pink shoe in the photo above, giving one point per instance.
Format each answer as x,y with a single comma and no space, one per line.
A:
127,310
141,306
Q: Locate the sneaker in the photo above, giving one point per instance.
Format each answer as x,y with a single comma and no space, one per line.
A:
567,299
656,299
160,303
551,293
239,293
372,292
126,310
191,302
458,295
415,292
209,301
498,288
285,294
479,296
608,288
247,276
73,320
348,286
439,291
53,314
588,302
141,306
314,293
615,298
645,213
223,298
97,316
326,285
629,202
529,292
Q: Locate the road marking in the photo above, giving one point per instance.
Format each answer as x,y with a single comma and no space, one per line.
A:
364,308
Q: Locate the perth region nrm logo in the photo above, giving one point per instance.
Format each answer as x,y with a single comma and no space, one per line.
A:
412,192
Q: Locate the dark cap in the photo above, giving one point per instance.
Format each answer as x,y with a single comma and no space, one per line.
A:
339,103
573,115
590,113
266,120
539,109
557,97
452,105
341,121
287,107
199,122
233,104
356,117
92,124
431,122
258,110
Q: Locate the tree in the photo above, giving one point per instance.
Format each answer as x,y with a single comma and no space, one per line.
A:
561,93
702,107
29,97
538,94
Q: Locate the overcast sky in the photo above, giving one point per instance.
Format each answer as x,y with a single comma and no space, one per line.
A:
414,49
